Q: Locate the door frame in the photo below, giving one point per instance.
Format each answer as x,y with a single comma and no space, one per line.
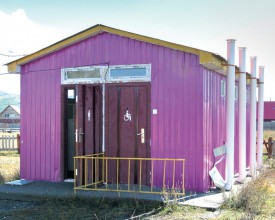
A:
147,146
63,153
65,87
148,113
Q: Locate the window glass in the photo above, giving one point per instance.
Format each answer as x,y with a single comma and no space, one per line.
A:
223,88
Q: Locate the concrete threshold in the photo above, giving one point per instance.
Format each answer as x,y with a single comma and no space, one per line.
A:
214,199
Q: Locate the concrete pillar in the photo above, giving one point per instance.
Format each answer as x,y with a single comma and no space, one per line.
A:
253,85
230,111
260,118
242,114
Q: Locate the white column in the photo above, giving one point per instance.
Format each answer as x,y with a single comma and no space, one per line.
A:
242,114
230,110
253,85
260,118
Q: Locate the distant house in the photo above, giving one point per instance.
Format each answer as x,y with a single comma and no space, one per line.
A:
269,116
10,117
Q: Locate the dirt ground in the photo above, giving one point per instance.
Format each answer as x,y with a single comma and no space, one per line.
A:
76,209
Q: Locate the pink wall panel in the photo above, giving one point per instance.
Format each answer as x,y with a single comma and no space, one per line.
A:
177,128
215,124
189,123
40,131
269,111
214,120
176,93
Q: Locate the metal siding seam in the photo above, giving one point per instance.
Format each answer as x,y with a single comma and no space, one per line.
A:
52,121
58,127
32,122
43,128
37,127
48,131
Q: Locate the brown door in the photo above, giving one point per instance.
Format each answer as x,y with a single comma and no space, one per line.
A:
87,125
128,130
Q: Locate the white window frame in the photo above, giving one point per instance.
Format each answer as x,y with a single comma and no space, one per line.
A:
223,88
146,78
105,74
64,80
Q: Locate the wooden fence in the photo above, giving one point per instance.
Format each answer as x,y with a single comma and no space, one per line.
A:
9,143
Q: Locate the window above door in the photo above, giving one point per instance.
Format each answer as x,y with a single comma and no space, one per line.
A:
81,75
129,73
106,74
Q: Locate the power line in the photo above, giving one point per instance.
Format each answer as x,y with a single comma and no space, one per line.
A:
9,73
16,55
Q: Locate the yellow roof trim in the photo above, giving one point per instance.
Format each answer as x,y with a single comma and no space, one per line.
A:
205,57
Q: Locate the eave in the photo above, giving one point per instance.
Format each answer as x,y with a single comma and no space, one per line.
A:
207,59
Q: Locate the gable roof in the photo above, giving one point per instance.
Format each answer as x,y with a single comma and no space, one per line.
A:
14,107
209,60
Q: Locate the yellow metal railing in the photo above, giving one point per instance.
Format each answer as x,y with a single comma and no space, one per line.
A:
123,174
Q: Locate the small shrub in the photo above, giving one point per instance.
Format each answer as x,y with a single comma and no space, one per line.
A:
271,163
252,197
171,197
9,175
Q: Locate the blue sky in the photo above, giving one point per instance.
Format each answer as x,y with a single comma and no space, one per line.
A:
204,24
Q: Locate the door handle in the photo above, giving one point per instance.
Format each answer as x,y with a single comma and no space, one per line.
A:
142,135
80,135
76,135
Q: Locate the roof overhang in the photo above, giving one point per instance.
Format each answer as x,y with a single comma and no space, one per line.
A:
207,59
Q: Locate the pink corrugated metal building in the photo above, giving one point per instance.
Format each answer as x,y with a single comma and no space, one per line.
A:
269,111
174,93
269,115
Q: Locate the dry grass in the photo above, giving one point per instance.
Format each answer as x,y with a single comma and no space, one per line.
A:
9,166
180,212
269,133
256,200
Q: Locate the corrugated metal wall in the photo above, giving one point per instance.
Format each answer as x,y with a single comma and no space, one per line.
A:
214,124
269,111
176,93
177,128
40,125
185,95
214,120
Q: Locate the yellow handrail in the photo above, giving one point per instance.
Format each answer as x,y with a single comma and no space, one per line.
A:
99,173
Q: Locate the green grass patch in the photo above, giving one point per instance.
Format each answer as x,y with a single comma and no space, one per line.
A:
13,153
74,208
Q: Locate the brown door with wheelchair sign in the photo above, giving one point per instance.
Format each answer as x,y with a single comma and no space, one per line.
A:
88,127
128,132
